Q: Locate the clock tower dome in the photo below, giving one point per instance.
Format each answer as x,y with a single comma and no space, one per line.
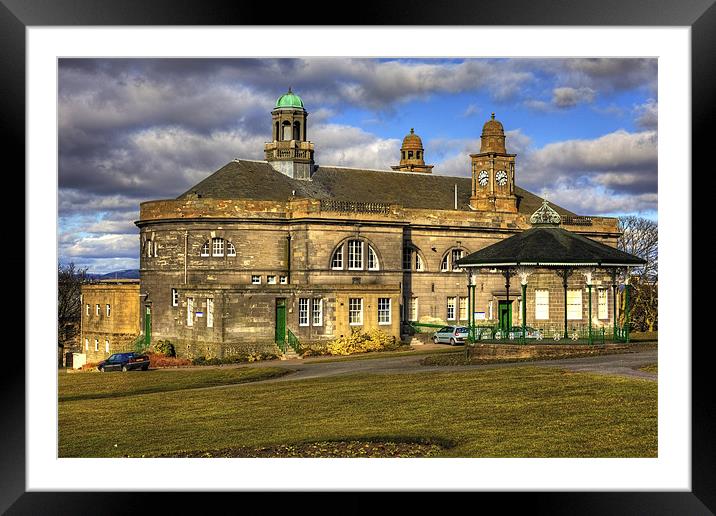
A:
493,172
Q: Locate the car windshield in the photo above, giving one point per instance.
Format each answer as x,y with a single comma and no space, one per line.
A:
112,358
462,329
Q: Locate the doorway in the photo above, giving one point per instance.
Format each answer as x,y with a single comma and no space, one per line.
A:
280,330
504,314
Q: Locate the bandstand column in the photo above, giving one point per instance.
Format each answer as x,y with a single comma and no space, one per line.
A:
565,275
524,274
626,303
614,302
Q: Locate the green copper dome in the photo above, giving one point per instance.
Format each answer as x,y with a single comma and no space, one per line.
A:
289,100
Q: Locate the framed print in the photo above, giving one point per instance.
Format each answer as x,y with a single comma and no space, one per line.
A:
54,58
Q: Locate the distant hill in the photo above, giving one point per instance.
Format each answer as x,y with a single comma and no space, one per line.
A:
124,274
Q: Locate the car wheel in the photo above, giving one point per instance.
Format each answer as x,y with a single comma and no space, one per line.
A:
436,340
124,369
101,369
452,342
144,368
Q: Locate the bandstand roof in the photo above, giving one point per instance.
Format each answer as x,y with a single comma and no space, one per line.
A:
550,246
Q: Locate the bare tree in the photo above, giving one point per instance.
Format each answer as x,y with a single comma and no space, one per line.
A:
70,279
640,237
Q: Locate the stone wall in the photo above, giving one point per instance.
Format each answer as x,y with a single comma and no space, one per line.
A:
114,332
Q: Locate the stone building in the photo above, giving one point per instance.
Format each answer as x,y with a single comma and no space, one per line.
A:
111,317
260,248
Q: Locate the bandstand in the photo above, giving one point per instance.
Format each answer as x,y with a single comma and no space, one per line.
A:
548,247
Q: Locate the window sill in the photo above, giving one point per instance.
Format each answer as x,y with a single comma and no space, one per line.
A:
385,323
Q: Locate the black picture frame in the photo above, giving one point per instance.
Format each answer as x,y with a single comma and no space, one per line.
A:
699,15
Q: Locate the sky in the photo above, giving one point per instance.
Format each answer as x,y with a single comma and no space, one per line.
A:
134,130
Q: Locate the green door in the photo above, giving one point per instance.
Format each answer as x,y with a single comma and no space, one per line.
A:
280,335
504,311
148,326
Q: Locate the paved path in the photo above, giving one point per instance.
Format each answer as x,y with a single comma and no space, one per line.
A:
623,364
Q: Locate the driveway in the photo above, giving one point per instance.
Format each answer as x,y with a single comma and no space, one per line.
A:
620,364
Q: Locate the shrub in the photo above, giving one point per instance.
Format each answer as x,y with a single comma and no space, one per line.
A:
361,342
165,347
159,360
89,366
240,358
139,344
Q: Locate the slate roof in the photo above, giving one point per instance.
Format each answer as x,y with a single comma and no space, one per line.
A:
549,245
245,179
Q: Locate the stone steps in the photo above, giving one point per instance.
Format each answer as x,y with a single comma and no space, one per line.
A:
290,354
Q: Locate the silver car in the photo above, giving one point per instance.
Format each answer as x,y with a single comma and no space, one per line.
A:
452,335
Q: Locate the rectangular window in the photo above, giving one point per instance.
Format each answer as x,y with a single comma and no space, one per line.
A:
175,297
156,247
412,304
463,308
106,346
456,255
355,311
96,344
355,255
337,261
271,280
542,305
603,310
87,309
317,307
256,279
283,280
190,311
383,310
108,309
217,247
451,301
96,309
303,311
489,309
86,344
209,312
574,305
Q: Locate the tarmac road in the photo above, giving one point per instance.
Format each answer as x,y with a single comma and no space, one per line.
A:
623,364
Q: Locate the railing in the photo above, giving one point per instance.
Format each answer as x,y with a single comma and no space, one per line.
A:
551,335
621,334
290,153
293,342
355,207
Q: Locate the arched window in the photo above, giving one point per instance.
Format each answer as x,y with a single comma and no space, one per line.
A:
230,249
297,130
355,255
217,247
148,247
373,264
449,261
277,133
412,259
205,249
337,259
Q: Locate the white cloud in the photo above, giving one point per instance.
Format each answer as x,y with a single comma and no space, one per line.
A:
647,114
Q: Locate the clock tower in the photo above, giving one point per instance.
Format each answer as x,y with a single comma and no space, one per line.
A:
493,172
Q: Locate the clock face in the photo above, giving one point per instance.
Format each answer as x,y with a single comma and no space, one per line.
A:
483,178
501,177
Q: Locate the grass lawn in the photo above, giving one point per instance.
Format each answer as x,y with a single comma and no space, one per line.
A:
92,386
383,354
511,412
650,368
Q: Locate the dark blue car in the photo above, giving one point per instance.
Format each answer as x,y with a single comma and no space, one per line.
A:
124,362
